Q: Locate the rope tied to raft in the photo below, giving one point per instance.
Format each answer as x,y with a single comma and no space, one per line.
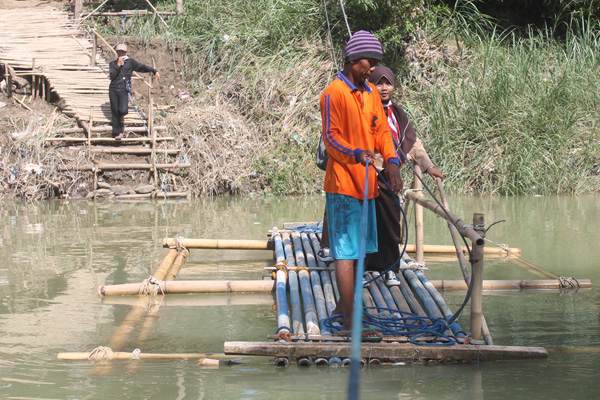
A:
281,265
283,334
150,287
567,282
178,243
101,353
135,355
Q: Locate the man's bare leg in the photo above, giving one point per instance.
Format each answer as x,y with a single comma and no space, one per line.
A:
344,276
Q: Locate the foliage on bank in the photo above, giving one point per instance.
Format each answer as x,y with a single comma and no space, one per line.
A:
500,109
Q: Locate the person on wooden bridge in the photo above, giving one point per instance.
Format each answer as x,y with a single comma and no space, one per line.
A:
120,71
354,127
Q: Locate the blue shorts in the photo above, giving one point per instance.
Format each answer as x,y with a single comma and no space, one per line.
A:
344,218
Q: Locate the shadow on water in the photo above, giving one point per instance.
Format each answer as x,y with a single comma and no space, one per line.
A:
56,255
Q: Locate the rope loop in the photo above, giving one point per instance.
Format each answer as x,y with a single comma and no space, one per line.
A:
567,282
150,287
283,334
135,355
282,266
178,243
101,354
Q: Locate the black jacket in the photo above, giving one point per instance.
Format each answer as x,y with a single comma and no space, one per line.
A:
120,75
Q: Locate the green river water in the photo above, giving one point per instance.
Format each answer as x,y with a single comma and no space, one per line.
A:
55,255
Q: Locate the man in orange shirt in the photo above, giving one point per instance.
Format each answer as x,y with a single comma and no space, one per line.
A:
354,126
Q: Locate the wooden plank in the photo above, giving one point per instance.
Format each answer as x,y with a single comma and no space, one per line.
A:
473,353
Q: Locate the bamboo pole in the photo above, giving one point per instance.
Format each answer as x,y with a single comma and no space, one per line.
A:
297,326
260,286
77,10
22,103
166,264
143,150
401,303
327,285
93,12
380,302
459,250
266,245
461,260
419,230
108,140
441,303
158,195
315,280
177,264
157,13
33,81
107,128
90,126
411,300
385,293
151,131
221,244
283,313
94,48
122,166
308,301
192,287
509,284
121,355
477,283
128,12
430,205
8,78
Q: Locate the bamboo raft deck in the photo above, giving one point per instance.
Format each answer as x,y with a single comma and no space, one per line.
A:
42,43
305,293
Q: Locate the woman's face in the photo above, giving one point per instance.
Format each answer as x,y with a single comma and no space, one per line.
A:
385,89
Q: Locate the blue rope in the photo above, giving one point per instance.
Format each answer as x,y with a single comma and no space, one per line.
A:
314,228
408,324
405,239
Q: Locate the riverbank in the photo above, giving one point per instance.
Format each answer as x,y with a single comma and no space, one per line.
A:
499,112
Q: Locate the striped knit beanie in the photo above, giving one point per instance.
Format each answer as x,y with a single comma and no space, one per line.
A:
363,45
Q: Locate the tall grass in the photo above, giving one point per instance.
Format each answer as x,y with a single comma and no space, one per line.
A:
520,118
507,112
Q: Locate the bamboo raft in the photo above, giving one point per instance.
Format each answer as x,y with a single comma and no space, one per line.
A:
305,292
43,44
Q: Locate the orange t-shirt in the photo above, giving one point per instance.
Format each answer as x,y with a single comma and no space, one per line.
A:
353,121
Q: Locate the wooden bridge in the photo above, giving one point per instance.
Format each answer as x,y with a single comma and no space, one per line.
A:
41,43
